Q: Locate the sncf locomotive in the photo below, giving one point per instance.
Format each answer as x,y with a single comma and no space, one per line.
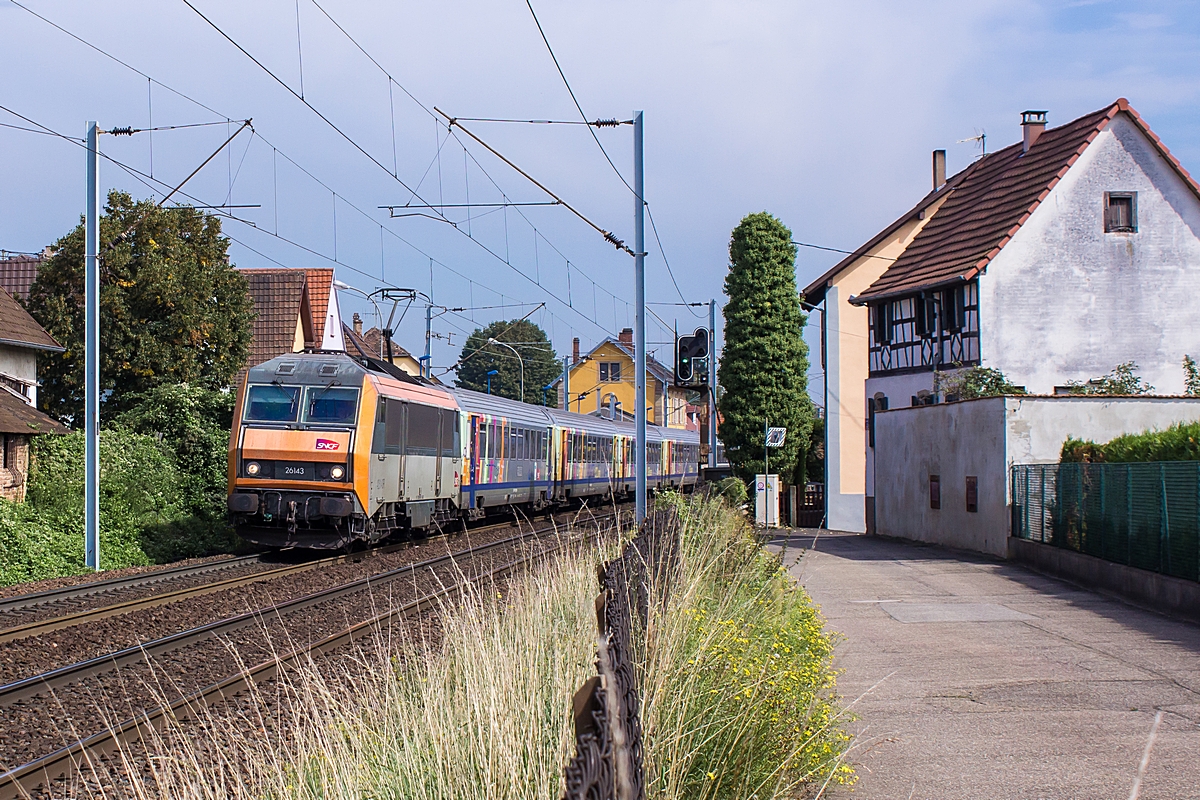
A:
329,450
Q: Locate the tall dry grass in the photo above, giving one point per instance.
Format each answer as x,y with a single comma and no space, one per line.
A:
734,667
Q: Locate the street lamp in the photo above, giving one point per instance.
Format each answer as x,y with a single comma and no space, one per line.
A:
518,355
491,372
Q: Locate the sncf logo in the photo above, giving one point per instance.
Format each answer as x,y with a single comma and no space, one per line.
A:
327,444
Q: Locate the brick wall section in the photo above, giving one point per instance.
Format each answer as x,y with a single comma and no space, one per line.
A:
14,466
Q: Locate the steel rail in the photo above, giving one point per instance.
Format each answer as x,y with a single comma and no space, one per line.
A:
22,601
39,627
24,780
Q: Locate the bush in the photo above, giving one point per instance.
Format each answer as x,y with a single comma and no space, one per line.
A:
974,382
732,490
1122,381
1180,442
150,510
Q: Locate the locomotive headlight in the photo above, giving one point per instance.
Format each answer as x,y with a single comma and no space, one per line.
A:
253,468
338,472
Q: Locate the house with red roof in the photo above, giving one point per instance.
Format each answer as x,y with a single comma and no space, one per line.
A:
292,312
1052,260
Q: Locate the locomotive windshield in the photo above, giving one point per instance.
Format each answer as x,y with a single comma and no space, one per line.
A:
331,405
272,403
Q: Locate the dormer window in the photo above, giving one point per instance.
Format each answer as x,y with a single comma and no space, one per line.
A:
1120,212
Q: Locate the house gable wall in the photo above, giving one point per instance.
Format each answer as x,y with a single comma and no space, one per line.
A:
585,377
1066,301
20,363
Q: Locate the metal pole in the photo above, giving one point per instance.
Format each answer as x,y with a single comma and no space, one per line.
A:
566,383
639,330
91,504
712,383
428,337
766,451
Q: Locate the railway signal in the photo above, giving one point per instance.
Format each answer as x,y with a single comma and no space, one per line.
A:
692,354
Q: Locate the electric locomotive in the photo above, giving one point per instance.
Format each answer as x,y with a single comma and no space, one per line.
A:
328,450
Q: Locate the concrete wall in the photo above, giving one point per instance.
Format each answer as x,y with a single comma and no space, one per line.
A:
20,363
985,438
1064,300
952,441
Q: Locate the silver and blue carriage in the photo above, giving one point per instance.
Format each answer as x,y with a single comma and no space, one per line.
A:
520,454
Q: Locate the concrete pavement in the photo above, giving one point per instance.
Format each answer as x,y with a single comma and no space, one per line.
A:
997,682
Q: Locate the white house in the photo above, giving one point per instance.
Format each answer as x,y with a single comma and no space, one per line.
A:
1052,260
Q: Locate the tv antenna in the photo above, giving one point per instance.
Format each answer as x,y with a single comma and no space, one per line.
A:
980,137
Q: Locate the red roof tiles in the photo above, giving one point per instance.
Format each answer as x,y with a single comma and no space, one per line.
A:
19,329
278,296
320,284
994,197
18,273
17,416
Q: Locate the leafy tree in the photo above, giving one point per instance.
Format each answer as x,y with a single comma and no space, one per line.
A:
172,308
764,366
1191,376
1123,380
974,382
478,358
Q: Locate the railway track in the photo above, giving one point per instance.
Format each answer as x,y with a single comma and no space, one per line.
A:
44,769
110,587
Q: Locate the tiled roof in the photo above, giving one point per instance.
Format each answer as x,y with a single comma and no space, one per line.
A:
278,296
21,330
655,367
320,284
17,416
18,273
994,197
815,291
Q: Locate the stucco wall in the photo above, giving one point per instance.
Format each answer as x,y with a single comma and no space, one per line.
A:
1064,300
984,438
847,366
20,363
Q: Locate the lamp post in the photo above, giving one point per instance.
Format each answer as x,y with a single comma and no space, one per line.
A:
521,360
491,372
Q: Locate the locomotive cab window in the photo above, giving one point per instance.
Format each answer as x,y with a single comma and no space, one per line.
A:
330,405
272,403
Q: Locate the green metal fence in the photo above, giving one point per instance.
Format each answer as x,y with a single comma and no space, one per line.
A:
1145,515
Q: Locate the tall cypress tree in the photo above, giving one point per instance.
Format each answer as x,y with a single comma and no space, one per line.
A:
764,365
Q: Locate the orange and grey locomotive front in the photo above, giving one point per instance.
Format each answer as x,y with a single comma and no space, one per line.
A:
325,452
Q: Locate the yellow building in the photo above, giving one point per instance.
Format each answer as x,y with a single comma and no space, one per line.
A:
602,381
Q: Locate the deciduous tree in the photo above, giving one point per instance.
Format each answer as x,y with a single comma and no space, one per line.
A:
764,365
479,358
172,308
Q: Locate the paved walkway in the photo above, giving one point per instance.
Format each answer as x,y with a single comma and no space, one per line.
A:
995,682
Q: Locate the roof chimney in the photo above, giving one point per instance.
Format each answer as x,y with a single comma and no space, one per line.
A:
1032,124
357,324
626,337
575,350
939,169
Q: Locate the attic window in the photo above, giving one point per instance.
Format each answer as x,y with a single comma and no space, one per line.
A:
610,371
1120,212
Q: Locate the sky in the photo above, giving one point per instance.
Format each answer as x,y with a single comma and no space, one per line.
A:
823,114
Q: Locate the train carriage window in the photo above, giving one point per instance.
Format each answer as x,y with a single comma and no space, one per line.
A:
450,442
491,448
272,403
481,442
331,405
423,428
